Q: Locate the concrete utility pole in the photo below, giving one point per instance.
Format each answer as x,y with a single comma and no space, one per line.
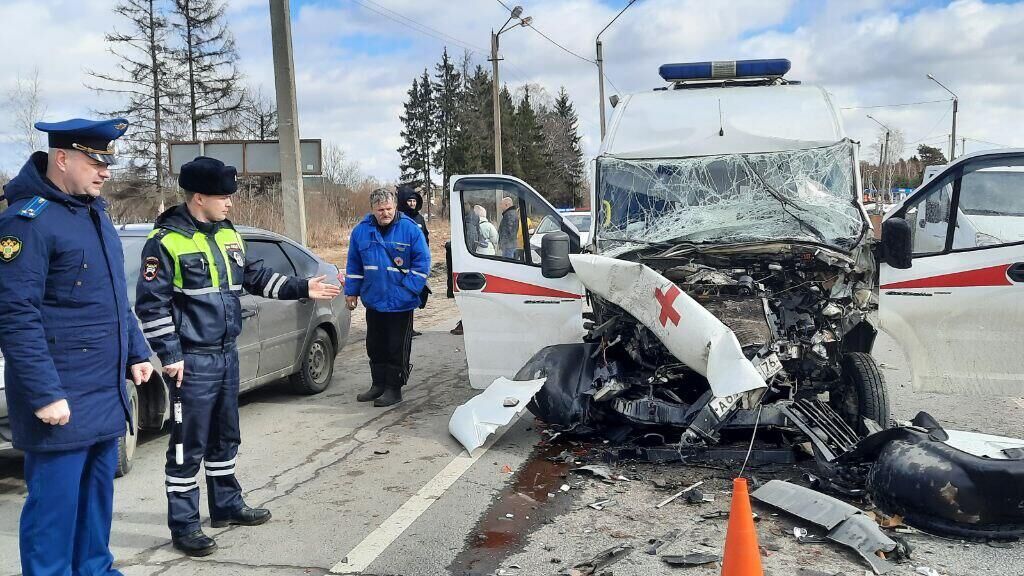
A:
600,64
496,97
883,161
516,14
956,101
287,121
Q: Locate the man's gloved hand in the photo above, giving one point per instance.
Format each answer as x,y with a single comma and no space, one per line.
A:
56,413
320,290
176,371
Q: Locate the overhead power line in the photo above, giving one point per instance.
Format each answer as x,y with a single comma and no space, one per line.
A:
896,105
422,28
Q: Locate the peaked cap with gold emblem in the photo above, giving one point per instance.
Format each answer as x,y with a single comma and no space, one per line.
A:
93,137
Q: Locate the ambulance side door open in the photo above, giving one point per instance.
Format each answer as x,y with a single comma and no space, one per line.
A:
509,310
958,310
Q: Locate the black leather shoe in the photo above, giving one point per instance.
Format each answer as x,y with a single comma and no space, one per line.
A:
391,396
373,393
244,517
194,544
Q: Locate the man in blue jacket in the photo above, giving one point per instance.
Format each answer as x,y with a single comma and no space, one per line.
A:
388,265
69,338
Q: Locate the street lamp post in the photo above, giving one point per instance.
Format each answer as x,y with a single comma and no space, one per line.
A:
516,14
956,100
600,65
883,160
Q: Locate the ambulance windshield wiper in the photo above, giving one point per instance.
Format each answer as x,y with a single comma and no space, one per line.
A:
786,203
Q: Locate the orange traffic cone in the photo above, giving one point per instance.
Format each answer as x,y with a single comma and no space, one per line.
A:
742,555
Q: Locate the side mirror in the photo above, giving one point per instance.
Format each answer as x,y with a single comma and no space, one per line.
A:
554,255
897,243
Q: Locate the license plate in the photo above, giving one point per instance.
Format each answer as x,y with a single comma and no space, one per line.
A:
721,405
769,366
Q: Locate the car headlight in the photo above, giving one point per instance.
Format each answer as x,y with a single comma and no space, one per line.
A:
982,239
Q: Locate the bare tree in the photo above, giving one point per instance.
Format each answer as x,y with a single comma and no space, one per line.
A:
25,101
338,170
257,116
145,80
208,59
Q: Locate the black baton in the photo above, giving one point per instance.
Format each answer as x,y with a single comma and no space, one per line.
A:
176,434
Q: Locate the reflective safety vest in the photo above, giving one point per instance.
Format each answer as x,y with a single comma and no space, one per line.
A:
187,296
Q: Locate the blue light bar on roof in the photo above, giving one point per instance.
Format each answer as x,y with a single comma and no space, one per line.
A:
724,69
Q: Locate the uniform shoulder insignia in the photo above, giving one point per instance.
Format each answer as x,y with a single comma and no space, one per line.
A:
10,247
34,208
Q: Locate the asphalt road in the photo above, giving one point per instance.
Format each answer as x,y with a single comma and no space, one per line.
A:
390,491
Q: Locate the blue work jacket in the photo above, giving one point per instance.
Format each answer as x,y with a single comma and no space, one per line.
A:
66,328
388,271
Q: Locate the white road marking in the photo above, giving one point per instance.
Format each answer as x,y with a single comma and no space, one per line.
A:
360,557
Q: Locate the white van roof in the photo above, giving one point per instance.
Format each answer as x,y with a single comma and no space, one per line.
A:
680,123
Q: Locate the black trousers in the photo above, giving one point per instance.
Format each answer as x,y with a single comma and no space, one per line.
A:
388,344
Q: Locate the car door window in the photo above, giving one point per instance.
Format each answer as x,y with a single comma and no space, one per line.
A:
271,254
499,219
990,208
306,265
928,217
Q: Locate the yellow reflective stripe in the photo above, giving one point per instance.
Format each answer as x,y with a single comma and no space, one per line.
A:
224,237
178,245
204,246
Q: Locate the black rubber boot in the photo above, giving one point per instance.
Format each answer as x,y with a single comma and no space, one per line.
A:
194,544
380,378
393,395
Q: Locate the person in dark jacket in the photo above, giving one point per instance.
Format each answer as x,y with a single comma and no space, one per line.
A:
410,202
194,268
388,264
508,229
69,339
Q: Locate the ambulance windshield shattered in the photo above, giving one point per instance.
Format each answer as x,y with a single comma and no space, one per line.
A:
804,195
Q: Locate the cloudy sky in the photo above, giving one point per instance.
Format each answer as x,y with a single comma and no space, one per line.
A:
355,59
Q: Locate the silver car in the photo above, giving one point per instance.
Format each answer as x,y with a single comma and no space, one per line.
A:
295,339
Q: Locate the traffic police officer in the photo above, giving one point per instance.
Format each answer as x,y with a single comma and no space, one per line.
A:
194,268
68,335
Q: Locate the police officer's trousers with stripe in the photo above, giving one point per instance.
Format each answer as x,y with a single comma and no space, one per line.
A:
210,434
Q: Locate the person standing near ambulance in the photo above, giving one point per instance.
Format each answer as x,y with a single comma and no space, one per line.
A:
194,268
388,264
69,338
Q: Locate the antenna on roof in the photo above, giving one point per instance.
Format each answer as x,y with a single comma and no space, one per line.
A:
721,123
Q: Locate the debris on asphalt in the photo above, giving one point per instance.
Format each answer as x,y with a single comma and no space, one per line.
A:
381,452
601,560
715,515
602,504
678,494
926,571
565,488
472,422
654,544
693,559
846,524
596,470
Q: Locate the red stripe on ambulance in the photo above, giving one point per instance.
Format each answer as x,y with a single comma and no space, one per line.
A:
991,276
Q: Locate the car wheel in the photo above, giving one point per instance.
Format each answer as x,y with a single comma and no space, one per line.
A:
317,365
127,443
863,393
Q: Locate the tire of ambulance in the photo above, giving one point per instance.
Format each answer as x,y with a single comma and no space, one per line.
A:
127,443
317,367
862,392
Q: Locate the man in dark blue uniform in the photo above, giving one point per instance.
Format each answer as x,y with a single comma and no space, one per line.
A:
70,339
194,268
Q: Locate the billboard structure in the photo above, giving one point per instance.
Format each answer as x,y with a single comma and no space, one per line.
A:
249,157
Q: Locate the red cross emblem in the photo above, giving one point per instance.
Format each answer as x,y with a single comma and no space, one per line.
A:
667,311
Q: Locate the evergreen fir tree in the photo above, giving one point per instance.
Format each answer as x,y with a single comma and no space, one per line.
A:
567,157
448,96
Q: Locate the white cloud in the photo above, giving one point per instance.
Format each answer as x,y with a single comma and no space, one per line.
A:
353,66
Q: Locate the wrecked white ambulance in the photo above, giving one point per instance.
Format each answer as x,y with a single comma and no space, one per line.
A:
727,268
